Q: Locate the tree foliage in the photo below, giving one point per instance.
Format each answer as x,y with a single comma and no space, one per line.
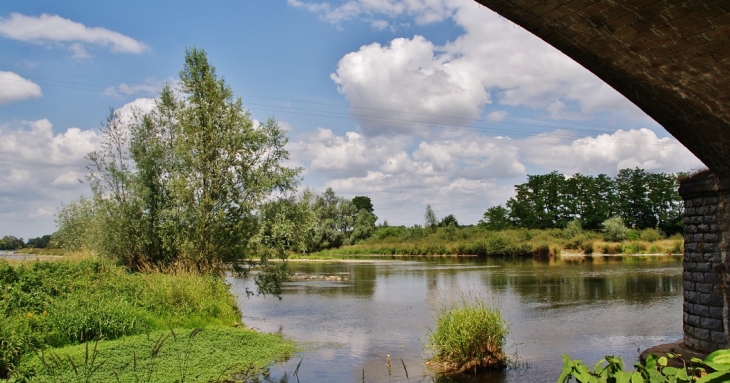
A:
641,199
10,242
185,181
430,220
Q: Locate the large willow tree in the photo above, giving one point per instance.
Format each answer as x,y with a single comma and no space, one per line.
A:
184,182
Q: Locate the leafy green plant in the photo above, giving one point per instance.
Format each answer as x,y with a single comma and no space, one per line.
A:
655,370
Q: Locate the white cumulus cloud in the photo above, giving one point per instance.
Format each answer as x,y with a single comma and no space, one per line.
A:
47,29
404,87
16,88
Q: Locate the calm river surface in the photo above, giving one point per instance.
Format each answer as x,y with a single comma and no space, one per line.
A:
586,310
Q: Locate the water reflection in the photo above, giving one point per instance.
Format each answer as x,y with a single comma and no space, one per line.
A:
586,309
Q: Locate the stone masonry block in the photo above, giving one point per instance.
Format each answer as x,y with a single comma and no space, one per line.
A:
717,337
714,257
716,312
715,300
698,277
711,324
702,334
694,320
704,267
702,311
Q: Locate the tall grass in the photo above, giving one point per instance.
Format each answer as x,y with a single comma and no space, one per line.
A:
470,334
61,303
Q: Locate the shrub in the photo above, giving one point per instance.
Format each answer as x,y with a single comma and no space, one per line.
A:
572,229
614,229
650,235
469,335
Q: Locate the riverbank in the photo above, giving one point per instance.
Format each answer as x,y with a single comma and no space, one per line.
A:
518,243
50,310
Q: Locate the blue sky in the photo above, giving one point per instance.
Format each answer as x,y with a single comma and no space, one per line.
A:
410,102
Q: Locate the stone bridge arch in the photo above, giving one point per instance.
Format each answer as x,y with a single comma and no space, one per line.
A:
672,59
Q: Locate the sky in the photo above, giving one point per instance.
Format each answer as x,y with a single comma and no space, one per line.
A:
411,102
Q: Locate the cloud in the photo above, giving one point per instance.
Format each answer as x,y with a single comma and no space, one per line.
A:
16,88
608,153
39,170
411,83
423,11
466,172
50,29
149,87
406,86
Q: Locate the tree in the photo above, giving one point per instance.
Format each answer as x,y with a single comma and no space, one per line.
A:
632,192
449,220
39,243
364,226
186,181
496,218
362,202
431,221
10,242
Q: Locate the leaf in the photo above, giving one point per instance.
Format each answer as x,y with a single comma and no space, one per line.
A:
715,377
662,361
717,366
637,378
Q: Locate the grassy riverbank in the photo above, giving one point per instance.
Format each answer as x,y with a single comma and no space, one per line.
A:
518,243
52,308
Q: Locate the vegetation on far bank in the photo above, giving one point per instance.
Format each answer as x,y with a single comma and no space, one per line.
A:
54,304
513,243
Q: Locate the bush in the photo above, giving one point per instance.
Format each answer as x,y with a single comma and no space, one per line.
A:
614,229
650,235
572,229
469,334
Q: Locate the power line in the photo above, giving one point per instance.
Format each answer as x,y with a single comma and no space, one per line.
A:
109,89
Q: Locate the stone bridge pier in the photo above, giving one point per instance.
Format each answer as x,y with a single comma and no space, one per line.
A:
706,261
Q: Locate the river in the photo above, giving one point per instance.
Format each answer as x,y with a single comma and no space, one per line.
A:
584,309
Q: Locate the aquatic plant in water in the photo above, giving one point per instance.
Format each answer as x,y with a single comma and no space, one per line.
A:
470,334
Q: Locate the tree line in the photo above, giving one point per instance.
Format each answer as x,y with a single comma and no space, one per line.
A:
641,199
11,242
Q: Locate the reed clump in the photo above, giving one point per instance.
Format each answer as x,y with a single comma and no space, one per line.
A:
470,334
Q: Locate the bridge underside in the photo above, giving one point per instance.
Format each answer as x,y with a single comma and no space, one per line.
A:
669,57
672,59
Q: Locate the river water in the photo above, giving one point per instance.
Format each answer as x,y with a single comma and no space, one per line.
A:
585,309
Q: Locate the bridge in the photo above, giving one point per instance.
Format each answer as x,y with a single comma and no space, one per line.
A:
672,59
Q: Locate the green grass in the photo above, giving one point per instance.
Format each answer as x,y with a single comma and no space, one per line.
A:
183,355
469,335
515,243
53,304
